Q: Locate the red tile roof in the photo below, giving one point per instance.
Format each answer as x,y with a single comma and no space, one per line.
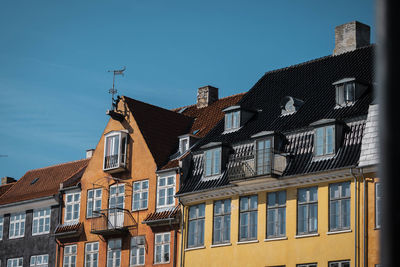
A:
5,187
163,215
42,182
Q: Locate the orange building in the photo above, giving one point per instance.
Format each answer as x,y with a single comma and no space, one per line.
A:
122,212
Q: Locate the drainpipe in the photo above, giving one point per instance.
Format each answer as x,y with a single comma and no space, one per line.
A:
182,239
365,240
355,217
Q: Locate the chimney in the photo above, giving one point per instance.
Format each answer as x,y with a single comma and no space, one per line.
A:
206,95
350,36
89,153
7,180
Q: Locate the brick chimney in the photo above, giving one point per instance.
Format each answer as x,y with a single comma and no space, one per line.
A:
89,153
206,95
351,36
7,180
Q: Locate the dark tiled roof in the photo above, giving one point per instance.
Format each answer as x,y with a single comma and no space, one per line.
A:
42,182
160,128
310,82
5,187
162,215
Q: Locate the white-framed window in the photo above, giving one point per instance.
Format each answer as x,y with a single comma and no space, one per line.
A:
276,214
70,253
166,191
39,260
114,253
93,202
307,265
92,254
232,120
41,221
140,195
15,262
183,145
115,150
263,156
17,225
222,221
339,206
212,161
72,206
116,204
196,225
248,213
1,227
345,263
378,205
137,251
324,140
307,210
162,248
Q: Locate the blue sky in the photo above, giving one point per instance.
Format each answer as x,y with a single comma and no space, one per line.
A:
55,55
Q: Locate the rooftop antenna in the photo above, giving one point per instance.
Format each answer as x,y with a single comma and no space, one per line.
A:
113,90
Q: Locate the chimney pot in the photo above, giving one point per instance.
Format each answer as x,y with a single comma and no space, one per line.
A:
7,180
206,95
89,153
350,36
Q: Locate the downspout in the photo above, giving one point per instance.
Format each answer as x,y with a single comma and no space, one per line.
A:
355,217
60,206
182,234
175,246
365,241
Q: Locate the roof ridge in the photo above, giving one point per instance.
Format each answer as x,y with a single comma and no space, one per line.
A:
55,165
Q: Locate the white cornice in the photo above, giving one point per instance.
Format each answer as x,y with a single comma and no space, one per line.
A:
29,205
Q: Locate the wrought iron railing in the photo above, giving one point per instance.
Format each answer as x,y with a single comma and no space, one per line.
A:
112,220
111,162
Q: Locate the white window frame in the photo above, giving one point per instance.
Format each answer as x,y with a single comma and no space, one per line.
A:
309,204
17,224
140,195
378,205
196,220
232,120
184,144
15,262
138,252
339,263
325,140
162,241
41,219
70,253
223,218
250,221
278,209
307,265
121,150
92,254
114,252
263,156
93,203
1,226
212,158
167,186
39,260
340,199
75,205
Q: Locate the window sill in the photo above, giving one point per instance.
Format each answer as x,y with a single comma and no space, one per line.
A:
221,245
275,238
39,234
338,232
246,242
140,209
195,248
306,235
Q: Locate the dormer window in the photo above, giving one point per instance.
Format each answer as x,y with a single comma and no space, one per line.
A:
232,120
115,148
236,117
212,161
290,105
183,145
263,156
325,140
348,90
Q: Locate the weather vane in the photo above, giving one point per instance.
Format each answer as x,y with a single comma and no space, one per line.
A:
113,90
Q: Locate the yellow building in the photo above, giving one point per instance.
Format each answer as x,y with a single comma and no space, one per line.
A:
278,182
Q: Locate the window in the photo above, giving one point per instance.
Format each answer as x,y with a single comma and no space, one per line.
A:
378,205
324,140
72,206
213,161
41,221
137,250
161,250
40,261
91,254
248,218
1,227
17,225
115,150
345,93
114,253
339,264
263,156
116,204
196,226
15,262
93,202
232,120
222,221
183,145
339,206
140,194
70,253
166,191
307,209
307,265
276,214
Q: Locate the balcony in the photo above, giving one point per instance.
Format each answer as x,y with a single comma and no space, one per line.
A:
113,222
115,150
256,163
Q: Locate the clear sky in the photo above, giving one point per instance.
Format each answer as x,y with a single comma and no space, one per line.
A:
55,55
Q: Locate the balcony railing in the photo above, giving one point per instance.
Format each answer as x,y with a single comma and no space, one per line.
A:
262,162
114,163
112,221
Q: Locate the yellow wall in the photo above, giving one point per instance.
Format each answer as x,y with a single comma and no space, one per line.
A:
316,249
